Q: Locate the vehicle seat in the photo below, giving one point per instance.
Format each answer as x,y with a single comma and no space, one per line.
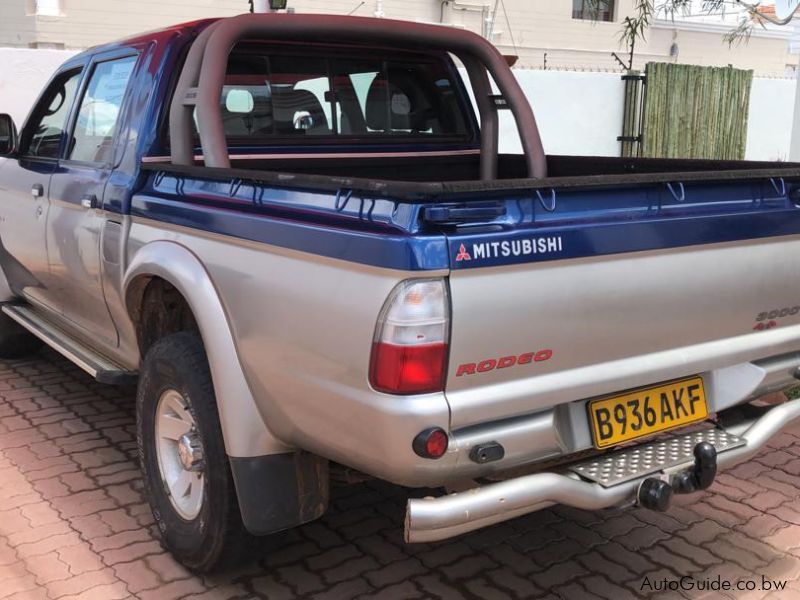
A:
397,103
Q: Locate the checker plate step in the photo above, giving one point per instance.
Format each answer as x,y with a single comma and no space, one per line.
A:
638,461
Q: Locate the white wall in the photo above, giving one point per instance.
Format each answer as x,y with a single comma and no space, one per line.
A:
577,113
769,127
581,114
23,74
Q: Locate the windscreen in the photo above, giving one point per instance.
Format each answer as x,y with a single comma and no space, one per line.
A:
275,94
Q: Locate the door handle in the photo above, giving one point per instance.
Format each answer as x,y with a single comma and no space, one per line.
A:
89,201
37,191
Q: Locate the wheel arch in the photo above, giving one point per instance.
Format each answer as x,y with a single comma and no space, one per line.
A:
244,431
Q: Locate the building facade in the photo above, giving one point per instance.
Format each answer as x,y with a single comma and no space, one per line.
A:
543,33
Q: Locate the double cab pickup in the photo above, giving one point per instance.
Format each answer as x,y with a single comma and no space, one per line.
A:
299,239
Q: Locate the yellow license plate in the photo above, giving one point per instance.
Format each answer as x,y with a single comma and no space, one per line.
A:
646,411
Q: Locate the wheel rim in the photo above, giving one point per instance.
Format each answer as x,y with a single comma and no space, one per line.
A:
180,454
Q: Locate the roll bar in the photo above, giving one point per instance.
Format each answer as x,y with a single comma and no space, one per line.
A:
202,79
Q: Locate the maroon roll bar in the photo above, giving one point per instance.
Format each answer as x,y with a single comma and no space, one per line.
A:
203,77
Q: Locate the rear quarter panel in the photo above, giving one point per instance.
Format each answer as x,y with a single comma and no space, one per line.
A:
303,326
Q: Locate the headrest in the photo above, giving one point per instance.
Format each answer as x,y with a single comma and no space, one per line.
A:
396,102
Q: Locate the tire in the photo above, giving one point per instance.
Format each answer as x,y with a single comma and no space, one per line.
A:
15,340
211,535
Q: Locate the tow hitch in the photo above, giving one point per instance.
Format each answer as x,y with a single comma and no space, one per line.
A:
656,494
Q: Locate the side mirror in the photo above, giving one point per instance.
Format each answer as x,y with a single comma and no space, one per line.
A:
8,135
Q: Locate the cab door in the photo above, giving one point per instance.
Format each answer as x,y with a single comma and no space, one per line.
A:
24,187
77,195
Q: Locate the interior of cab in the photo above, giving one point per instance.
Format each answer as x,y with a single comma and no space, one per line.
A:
280,95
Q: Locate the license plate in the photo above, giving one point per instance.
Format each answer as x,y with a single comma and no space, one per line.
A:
647,411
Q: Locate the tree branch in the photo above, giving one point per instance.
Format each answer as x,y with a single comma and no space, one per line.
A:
635,26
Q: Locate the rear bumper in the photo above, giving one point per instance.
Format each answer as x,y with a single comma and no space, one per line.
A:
432,519
564,429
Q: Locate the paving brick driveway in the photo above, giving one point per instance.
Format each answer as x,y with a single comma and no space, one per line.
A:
73,524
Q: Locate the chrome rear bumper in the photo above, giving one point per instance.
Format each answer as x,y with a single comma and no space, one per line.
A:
432,519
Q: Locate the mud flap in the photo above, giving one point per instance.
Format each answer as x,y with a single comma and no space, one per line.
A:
280,491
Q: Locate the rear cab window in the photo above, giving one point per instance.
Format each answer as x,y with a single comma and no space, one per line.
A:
283,95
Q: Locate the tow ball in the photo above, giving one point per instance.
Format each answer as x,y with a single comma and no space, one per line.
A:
656,494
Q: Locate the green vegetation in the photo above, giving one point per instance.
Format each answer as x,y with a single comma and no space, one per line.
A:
634,27
793,393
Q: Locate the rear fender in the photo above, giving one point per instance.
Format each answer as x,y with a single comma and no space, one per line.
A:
243,428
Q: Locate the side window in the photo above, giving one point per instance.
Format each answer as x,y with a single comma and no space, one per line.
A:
96,125
593,10
43,135
281,95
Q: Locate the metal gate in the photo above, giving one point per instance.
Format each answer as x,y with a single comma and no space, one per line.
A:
631,138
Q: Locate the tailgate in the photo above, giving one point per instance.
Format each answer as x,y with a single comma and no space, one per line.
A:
607,293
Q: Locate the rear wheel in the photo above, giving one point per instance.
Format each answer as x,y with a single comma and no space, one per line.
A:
186,471
15,340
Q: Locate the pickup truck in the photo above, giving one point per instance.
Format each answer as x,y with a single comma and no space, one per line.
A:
300,239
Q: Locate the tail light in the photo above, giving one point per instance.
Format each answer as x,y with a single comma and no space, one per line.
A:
409,352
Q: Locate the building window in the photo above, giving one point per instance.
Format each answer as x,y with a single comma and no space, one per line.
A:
593,10
45,8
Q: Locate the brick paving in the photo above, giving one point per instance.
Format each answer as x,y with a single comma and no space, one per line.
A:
73,524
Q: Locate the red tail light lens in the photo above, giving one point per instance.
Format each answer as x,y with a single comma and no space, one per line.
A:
409,353
431,443
408,369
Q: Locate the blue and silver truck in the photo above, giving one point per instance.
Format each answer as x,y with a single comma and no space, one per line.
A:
300,239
